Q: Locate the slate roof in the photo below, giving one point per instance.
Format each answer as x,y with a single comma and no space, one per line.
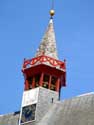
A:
75,111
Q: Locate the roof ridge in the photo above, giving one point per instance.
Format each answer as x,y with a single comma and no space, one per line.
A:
89,93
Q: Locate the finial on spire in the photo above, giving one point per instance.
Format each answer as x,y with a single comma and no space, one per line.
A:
52,11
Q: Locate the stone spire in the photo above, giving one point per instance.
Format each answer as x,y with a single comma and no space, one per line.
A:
48,43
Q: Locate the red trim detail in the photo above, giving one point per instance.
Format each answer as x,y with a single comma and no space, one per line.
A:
41,79
33,82
58,85
43,59
26,85
37,65
50,82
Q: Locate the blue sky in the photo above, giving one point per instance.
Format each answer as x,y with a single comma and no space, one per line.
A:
22,25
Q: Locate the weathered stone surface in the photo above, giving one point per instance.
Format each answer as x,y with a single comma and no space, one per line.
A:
9,119
48,43
75,111
44,104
